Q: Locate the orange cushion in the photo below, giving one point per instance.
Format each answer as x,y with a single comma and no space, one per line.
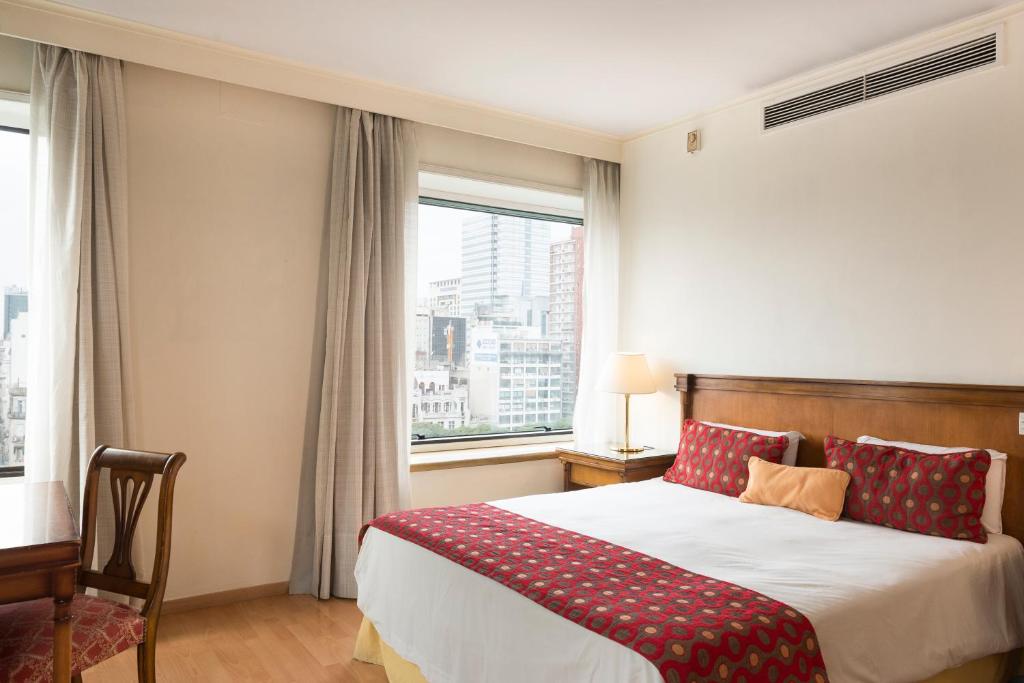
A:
815,490
99,630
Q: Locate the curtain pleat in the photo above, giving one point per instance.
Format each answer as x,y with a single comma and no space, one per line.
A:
78,348
356,468
595,412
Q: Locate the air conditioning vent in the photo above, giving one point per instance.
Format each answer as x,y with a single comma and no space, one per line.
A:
952,60
813,103
930,67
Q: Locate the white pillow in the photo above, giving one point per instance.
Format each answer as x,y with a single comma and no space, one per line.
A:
788,458
995,480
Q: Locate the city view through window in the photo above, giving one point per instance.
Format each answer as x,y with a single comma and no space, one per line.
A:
498,324
14,161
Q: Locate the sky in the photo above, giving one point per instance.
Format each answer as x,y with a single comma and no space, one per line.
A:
13,209
440,244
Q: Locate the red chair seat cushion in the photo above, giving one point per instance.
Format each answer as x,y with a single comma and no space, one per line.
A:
99,630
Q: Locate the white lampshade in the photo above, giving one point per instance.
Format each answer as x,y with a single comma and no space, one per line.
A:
626,373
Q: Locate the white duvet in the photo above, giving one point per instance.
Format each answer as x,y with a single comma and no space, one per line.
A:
887,605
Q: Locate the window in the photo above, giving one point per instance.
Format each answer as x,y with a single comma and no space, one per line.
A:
14,176
498,304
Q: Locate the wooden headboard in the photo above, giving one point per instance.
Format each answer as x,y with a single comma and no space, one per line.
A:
942,414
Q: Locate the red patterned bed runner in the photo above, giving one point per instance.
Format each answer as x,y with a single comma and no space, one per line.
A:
691,627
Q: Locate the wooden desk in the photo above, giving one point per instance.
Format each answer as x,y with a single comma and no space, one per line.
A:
39,557
587,466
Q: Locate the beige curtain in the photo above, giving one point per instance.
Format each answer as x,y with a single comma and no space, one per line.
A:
358,468
78,275
595,413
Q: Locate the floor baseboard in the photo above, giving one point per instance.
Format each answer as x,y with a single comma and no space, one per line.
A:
224,597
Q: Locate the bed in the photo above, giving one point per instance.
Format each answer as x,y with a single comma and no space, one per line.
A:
884,605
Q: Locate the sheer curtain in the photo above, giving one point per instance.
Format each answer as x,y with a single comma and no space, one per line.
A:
594,419
356,466
78,347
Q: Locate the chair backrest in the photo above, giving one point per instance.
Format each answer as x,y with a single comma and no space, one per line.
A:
131,478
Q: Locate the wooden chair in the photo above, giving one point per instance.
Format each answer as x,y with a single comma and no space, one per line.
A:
101,628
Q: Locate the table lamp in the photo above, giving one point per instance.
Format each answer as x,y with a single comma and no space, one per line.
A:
626,373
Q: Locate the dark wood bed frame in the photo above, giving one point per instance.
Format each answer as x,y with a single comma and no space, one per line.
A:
942,414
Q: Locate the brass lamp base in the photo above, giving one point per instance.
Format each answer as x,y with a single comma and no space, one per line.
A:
627,448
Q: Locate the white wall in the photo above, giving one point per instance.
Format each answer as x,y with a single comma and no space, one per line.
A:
227,200
880,242
491,156
79,29
486,482
15,64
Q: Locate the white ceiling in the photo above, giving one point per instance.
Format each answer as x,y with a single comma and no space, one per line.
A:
615,66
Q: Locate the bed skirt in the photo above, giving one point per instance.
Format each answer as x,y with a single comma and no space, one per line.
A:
371,648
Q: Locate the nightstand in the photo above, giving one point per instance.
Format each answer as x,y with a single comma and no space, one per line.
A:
587,466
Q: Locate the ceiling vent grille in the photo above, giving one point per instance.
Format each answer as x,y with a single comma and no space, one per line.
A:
952,60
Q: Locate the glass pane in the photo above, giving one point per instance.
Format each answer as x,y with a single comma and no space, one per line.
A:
14,158
497,316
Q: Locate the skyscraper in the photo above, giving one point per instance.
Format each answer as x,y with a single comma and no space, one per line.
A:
515,380
422,337
15,303
445,296
448,340
505,269
565,319
13,372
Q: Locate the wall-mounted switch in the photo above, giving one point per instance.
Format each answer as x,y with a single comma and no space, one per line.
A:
693,141
1020,423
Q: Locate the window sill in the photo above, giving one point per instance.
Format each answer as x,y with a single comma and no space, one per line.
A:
490,455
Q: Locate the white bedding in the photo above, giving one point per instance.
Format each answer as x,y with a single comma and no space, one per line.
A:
886,605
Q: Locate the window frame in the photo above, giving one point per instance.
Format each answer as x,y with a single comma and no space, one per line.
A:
12,471
423,444
498,210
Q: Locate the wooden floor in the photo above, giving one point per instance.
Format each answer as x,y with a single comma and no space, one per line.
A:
283,638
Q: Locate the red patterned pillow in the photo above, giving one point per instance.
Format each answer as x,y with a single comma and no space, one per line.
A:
715,458
939,495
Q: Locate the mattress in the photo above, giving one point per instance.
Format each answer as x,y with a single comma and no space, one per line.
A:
887,605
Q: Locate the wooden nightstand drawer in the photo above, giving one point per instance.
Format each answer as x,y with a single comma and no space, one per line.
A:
585,468
584,475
